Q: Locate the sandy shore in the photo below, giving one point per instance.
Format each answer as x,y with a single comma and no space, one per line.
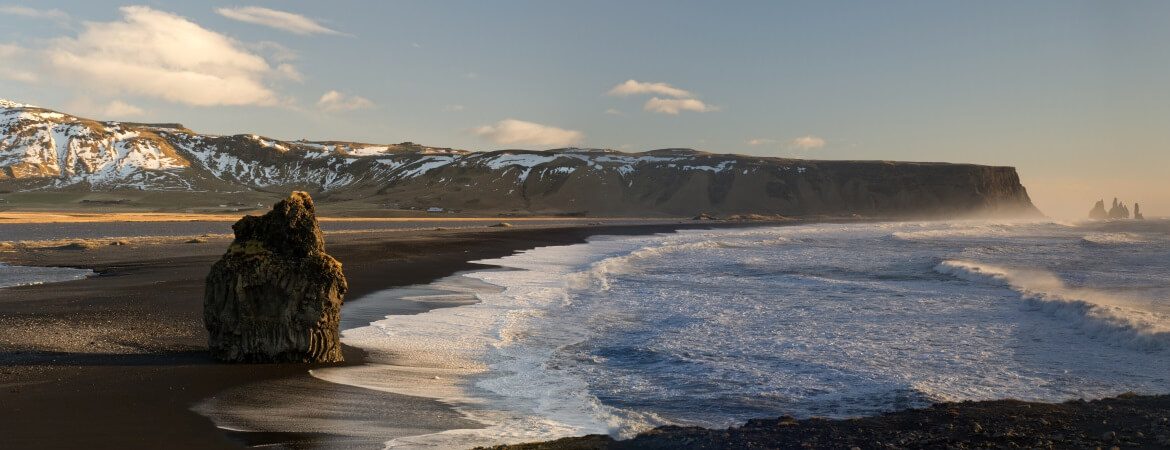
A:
118,360
91,217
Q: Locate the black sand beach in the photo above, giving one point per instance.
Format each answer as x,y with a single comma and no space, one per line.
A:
118,360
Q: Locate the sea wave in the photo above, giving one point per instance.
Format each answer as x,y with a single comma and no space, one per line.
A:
974,229
1101,314
11,276
600,273
1106,239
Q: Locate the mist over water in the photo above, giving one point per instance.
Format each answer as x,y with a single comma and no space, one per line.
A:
712,328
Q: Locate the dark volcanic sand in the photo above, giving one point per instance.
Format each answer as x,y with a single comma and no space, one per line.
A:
117,361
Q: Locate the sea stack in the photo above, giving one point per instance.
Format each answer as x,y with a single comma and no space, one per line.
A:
1098,212
1118,211
276,296
1137,212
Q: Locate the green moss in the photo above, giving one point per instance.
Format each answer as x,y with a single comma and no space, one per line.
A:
249,248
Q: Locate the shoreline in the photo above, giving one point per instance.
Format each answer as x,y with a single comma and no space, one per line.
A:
1124,421
126,349
137,389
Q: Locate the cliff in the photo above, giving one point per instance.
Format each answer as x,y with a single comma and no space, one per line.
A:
43,150
684,182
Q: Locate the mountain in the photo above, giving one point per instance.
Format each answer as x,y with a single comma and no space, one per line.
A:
45,151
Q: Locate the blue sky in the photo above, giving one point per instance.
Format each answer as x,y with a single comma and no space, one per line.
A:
1074,94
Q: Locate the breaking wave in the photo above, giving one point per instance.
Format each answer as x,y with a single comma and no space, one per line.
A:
1104,239
1100,314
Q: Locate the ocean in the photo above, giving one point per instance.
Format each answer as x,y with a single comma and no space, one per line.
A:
23,276
714,327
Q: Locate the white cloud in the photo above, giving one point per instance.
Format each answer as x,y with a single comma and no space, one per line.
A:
674,106
760,141
519,132
32,13
118,108
635,87
162,55
454,108
809,142
334,101
275,51
281,20
13,59
614,112
289,71
471,75
113,109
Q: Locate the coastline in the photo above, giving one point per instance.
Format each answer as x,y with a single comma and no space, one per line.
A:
125,349
125,352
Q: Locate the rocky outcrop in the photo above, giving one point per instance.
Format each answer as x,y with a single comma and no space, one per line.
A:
1098,212
276,296
1119,210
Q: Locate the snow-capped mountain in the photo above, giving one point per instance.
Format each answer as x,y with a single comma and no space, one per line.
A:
42,150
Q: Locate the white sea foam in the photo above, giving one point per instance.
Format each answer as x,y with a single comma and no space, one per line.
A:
1115,239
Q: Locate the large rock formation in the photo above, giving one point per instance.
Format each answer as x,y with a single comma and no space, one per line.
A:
1098,212
1137,212
1119,210
276,296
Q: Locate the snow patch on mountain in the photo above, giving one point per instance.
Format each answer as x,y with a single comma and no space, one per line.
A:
5,103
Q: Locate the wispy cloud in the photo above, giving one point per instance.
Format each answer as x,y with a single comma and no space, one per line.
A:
334,101
33,13
290,72
162,55
118,108
454,108
809,142
281,20
678,100
275,51
614,112
760,141
103,110
14,61
635,87
674,106
519,132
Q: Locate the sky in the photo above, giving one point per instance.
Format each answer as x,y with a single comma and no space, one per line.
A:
1074,94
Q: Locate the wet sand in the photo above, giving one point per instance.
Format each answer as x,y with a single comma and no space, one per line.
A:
118,360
